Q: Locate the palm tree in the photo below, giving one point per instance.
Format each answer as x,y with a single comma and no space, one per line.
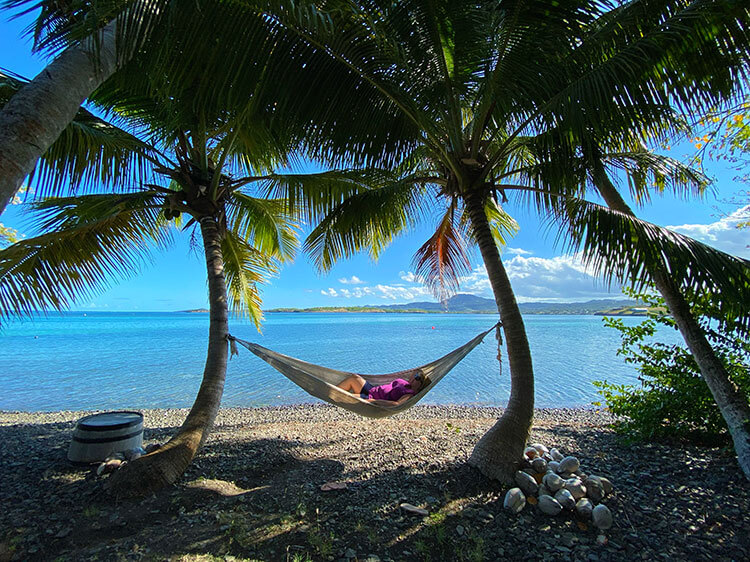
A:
38,113
477,81
201,167
728,277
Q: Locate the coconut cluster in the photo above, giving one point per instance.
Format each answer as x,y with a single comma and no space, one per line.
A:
555,483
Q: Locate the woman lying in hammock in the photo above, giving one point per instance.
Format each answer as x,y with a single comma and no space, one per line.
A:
391,394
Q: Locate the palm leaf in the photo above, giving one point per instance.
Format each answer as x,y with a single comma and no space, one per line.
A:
245,268
263,223
620,247
441,261
368,220
87,242
90,151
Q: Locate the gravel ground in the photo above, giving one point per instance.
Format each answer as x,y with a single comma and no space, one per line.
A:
254,493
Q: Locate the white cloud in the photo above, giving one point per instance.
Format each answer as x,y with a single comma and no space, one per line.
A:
517,251
561,278
353,280
722,234
407,276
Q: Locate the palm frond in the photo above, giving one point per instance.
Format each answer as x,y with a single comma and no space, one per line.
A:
316,194
620,247
245,268
441,261
263,223
647,171
87,242
89,152
368,220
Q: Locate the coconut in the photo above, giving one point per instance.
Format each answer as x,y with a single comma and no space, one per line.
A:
602,516
556,455
584,508
527,483
565,499
549,505
553,481
515,500
539,465
575,487
541,449
569,464
594,489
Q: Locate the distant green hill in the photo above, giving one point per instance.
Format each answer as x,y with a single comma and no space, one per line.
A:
472,304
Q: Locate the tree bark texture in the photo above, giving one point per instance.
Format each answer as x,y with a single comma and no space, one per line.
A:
499,451
164,466
36,115
732,403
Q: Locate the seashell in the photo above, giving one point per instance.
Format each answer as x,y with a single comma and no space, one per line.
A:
544,491
584,508
553,482
108,466
549,505
515,500
530,471
556,455
539,465
569,464
567,475
602,516
553,466
606,484
565,499
594,489
575,487
541,449
530,453
527,483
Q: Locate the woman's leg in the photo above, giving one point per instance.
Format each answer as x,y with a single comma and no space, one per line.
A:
352,384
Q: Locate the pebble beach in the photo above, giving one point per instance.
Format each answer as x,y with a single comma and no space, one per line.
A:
313,482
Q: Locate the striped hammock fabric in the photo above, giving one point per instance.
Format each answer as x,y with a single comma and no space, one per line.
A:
321,382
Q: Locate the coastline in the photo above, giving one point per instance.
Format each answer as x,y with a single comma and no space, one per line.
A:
254,492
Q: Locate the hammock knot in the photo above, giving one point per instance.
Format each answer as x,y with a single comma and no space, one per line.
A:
232,346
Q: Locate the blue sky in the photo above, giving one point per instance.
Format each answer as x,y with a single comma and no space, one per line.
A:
538,269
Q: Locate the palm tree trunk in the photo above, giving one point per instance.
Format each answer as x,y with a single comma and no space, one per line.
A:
164,466
731,401
499,451
36,115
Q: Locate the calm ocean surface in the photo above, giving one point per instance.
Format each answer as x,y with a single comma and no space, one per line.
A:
155,360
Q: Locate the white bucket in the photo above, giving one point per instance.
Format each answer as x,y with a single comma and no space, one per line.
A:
99,435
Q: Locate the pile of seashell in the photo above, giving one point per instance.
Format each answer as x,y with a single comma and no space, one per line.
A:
116,460
556,483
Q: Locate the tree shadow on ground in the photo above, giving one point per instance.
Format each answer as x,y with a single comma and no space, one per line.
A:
261,498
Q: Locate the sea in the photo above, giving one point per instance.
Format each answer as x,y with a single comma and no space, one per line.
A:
100,360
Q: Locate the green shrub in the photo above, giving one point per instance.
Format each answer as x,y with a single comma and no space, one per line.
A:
672,400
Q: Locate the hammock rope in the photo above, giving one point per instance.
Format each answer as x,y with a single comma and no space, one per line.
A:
320,382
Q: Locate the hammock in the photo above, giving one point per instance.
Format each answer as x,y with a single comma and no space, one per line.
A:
320,382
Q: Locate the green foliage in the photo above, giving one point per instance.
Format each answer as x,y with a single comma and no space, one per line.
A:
673,401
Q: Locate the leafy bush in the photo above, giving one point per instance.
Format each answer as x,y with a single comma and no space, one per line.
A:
672,400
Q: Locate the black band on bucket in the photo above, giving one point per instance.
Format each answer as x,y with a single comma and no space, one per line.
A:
106,439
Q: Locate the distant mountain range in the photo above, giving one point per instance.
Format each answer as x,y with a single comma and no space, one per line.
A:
472,304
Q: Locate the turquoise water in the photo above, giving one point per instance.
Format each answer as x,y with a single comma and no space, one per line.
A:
155,360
